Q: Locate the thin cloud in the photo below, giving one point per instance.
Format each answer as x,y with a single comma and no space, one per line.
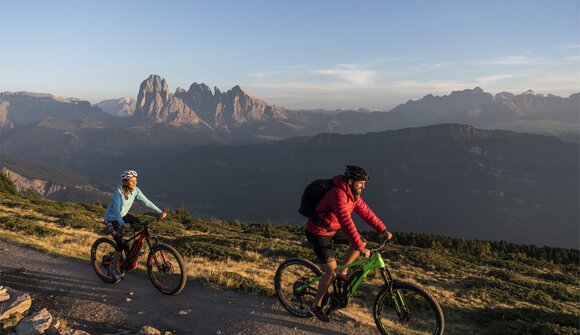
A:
295,86
491,79
264,74
513,60
570,46
351,74
573,59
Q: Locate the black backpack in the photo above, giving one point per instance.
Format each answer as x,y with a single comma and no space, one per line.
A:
311,196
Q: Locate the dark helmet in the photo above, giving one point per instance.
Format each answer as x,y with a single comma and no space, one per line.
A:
356,173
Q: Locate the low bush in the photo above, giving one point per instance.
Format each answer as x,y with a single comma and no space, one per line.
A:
75,220
27,227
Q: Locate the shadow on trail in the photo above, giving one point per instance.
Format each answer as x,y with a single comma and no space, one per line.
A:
35,282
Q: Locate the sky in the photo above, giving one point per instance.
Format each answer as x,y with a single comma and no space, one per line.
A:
300,54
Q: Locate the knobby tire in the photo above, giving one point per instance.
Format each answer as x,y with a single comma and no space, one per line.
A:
166,269
293,273
426,314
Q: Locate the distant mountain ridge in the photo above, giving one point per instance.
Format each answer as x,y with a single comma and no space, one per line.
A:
25,108
454,180
250,118
123,107
51,181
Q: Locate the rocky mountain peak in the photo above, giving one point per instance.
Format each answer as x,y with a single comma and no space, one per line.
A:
504,96
195,88
222,110
155,103
123,107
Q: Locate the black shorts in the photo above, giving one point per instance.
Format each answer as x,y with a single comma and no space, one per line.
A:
114,229
322,245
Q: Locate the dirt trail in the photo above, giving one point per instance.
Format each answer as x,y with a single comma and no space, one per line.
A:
69,289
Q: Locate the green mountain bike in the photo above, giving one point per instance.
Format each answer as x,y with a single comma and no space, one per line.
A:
399,307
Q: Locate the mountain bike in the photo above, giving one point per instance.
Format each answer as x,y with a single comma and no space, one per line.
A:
399,307
165,266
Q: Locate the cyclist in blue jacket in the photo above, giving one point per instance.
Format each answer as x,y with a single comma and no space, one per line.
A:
117,214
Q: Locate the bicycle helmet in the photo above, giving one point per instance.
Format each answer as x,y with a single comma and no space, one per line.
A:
129,174
356,173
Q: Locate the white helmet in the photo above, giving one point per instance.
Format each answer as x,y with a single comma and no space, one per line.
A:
128,174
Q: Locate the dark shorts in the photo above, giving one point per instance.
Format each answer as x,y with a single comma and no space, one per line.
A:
114,229
323,245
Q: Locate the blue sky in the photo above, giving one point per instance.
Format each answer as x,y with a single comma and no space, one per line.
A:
299,54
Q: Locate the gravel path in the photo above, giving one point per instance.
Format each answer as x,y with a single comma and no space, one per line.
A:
69,289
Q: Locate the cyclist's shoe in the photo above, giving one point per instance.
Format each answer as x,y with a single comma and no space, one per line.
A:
319,313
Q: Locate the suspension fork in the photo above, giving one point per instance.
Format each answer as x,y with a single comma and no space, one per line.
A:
398,299
152,241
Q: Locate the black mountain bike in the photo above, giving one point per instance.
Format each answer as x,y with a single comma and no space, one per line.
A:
165,266
399,307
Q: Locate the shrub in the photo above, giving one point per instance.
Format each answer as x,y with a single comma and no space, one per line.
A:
75,220
27,227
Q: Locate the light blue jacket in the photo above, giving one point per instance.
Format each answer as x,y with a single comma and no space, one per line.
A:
120,206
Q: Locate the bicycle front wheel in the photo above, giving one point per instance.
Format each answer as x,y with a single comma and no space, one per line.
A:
290,276
409,310
166,269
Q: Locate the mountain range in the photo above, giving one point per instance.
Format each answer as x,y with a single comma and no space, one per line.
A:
436,167
237,115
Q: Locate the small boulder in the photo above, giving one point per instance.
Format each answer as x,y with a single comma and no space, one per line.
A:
148,330
35,324
70,331
19,303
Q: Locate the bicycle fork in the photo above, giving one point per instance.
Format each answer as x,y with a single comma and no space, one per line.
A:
398,300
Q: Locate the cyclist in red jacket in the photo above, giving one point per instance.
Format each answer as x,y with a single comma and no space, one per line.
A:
337,226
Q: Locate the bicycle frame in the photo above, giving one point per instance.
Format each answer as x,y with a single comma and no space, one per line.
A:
132,250
374,262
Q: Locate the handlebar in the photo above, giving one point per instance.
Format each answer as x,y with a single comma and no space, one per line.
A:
381,247
142,225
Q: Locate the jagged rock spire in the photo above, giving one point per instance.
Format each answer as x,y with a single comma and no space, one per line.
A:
155,103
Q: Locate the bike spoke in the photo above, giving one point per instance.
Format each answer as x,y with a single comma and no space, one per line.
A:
296,286
409,311
102,259
166,270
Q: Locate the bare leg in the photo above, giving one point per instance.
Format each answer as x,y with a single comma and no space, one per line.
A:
350,256
324,284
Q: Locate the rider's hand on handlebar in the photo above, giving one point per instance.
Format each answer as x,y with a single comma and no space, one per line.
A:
387,234
365,252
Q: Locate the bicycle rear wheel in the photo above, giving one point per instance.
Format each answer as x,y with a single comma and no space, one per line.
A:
410,310
292,274
166,269
102,259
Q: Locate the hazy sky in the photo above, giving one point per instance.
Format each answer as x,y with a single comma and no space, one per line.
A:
298,53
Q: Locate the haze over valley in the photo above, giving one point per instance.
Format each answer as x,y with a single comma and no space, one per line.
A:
465,164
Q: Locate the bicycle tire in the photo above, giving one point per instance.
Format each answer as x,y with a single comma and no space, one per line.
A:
98,258
166,269
292,273
426,315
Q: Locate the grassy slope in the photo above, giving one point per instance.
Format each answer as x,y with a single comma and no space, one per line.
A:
509,295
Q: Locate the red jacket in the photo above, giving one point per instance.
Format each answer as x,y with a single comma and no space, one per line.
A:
341,202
